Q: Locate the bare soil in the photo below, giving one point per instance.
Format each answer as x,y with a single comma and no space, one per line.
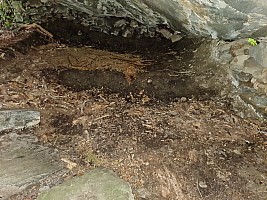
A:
186,148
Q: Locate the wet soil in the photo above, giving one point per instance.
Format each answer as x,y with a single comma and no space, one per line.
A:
189,147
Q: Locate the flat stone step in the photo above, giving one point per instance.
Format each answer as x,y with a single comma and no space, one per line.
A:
18,118
98,184
23,162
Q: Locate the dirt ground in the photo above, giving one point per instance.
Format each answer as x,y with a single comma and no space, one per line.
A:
182,149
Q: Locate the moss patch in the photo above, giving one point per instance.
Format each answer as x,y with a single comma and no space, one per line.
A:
11,13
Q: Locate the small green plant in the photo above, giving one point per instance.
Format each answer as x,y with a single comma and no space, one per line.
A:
252,42
92,158
11,13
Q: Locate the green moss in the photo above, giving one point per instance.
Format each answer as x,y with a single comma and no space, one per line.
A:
11,13
92,158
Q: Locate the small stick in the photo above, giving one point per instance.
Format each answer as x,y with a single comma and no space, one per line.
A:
37,28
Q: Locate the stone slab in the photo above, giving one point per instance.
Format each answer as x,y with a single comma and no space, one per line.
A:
18,118
98,184
23,162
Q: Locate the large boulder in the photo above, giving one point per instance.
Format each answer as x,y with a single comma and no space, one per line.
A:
224,19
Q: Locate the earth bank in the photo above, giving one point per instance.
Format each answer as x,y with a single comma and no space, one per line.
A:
184,147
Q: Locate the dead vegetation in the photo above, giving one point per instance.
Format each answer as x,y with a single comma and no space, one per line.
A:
182,150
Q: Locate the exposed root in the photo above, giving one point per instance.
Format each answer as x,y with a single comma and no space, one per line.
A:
38,29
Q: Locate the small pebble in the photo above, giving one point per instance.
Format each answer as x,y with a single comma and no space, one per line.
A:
183,99
202,184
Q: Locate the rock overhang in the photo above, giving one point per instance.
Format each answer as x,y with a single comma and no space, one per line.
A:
221,19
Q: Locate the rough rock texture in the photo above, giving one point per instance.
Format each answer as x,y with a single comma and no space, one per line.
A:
248,71
23,162
98,184
226,19
18,118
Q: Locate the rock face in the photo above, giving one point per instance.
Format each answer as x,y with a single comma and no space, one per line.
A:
225,19
248,71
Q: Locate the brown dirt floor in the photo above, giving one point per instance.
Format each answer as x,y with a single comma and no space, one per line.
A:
184,149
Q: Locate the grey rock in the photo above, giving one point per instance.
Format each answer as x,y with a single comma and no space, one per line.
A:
226,19
252,66
246,90
259,52
24,163
18,118
248,72
242,76
176,37
120,23
260,101
98,184
166,33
